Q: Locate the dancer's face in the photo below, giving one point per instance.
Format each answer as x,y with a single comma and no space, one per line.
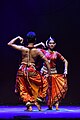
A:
51,44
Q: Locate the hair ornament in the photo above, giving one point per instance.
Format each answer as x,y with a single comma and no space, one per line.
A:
50,38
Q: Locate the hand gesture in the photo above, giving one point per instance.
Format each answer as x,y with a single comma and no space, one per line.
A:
43,44
65,73
21,39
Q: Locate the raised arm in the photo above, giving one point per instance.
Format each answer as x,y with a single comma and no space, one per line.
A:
12,43
41,43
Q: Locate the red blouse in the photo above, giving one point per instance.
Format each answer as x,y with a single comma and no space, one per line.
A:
52,57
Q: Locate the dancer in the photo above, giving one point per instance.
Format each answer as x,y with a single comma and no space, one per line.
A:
29,83
57,83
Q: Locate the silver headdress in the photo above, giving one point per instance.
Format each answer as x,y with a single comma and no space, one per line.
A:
50,38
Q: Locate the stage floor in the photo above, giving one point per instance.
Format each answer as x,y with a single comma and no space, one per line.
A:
19,113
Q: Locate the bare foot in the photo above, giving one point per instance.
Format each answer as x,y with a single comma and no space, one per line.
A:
57,106
28,105
29,108
38,106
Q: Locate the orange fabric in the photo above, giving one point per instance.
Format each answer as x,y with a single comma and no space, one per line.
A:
57,88
30,84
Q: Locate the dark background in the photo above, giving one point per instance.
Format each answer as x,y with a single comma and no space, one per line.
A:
59,18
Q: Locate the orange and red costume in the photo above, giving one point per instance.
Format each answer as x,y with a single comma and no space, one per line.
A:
30,84
57,83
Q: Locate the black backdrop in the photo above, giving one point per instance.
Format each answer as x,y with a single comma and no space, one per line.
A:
59,18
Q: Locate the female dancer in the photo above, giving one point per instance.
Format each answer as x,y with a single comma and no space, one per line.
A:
57,83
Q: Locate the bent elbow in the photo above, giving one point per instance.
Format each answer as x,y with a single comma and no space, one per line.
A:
9,44
65,61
